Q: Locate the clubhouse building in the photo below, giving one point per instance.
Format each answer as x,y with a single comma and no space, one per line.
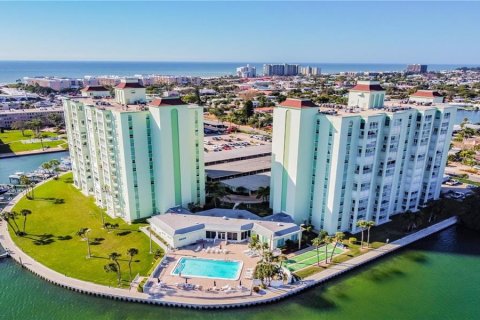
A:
180,228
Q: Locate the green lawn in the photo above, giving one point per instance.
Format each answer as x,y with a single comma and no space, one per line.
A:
51,235
11,141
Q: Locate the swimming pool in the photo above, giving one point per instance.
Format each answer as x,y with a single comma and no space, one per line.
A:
208,268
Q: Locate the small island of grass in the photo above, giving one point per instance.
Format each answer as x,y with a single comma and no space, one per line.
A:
14,141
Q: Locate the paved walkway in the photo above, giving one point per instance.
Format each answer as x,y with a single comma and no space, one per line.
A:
266,296
32,152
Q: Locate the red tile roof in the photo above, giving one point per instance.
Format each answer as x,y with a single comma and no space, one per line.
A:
123,85
367,87
426,94
167,102
298,103
94,88
264,109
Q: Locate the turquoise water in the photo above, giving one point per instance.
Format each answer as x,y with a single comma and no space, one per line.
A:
13,70
26,163
437,278
208,268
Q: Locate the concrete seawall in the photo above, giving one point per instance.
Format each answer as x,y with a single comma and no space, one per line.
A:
271,295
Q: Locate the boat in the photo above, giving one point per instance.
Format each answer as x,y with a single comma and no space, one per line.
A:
4,189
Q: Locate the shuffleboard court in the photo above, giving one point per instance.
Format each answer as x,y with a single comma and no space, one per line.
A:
308,258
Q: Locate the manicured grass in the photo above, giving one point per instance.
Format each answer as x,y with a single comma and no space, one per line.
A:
11,141
302,274
51,235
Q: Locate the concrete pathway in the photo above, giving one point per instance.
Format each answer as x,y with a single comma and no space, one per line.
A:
266,296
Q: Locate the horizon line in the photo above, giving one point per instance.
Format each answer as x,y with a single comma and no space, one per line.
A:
219,61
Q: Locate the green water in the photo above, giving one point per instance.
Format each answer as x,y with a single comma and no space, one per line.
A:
437,278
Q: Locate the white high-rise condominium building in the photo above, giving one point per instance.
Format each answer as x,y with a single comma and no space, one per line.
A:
309,71
246,71
280,69
335,165
136,159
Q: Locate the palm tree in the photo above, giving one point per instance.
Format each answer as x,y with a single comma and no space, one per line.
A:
19,125
47,166
215,190
114,256
112,267
362,225
25,213
35,124
5,215
131,253
317,242
241,190
54,163
253,244
83,233
263,193
24,180
41,136
327,240
369,225
282,258
13,216
339,236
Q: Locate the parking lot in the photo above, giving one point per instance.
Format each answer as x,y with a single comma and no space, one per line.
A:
456,190
226,142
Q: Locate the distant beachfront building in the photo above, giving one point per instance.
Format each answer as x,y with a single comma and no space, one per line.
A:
136,159
57,84
426,96
416,68
309,71
280,69
246,71
335,165
8,117
95,91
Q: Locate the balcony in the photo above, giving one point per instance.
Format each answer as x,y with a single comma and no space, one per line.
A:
360,194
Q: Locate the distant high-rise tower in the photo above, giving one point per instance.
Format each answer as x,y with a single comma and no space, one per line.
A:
280,69
416,68
246,71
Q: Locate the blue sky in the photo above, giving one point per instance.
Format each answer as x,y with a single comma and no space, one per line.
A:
376,32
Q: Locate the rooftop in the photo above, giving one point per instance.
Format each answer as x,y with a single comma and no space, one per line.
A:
390,107
367,86
227,169
226,219
298,103
252,182
237,154
167,102
426,94
112,104
95,88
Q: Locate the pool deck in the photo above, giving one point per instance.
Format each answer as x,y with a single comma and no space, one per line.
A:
170,295
163,281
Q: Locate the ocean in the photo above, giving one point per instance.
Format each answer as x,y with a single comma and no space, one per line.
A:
10,71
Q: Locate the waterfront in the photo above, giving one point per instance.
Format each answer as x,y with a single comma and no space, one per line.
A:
13,70
435,278
26,163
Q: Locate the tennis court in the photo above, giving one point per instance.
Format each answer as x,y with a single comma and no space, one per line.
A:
308,258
